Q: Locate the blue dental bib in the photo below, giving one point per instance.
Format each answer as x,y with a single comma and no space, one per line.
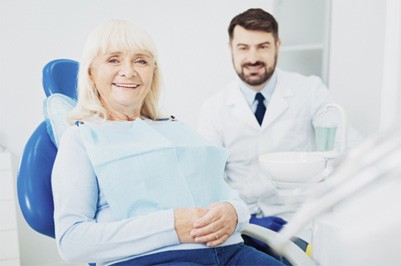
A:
146,166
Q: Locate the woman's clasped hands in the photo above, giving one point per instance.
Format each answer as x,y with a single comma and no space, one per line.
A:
212,225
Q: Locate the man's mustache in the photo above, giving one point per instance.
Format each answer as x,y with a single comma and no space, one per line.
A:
257,63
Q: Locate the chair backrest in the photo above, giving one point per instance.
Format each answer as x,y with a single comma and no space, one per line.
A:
34,176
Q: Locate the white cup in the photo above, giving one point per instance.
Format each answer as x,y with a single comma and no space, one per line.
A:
325,136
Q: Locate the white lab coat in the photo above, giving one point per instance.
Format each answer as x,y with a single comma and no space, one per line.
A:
227,120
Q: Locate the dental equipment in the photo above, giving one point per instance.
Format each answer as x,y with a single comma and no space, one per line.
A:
372,160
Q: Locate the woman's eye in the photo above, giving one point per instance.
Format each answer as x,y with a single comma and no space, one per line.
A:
113,61
141,62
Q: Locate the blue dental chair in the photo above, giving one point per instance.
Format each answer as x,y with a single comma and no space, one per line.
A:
34,177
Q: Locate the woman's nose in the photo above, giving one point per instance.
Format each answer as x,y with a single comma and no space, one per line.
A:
127,70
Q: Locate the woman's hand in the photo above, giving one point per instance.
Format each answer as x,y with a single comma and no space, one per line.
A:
184,219
216,226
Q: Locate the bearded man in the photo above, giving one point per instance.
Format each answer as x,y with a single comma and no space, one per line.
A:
265,110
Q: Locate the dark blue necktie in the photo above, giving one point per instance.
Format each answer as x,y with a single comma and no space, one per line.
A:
261,108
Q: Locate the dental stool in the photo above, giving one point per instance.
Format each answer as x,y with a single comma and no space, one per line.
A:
34,177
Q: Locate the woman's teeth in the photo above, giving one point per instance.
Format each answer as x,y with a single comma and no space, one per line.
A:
131,86
126,85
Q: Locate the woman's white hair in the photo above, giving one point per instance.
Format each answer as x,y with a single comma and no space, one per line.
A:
114,35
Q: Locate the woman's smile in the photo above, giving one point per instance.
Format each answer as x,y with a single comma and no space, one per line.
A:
126,85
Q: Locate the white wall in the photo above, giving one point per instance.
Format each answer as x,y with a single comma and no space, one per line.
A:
356,60
391,84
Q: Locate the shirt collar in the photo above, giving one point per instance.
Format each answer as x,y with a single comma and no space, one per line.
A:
266,91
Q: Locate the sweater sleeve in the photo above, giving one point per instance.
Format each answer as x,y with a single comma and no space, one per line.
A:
85,229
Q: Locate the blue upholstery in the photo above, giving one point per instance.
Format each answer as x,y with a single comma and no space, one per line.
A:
34,188
34,177
60,76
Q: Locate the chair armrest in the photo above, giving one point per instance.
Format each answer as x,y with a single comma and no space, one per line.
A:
286,248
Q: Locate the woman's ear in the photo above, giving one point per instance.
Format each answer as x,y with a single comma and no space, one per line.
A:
90,75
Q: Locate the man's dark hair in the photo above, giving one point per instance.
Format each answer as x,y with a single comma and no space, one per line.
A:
254,19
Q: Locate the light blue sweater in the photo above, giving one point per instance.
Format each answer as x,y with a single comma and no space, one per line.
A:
86,228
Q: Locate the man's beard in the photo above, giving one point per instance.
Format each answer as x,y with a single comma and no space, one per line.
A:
263,78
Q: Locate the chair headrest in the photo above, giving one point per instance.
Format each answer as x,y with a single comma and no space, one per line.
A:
60,76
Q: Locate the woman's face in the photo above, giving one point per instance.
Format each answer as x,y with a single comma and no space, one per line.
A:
123,79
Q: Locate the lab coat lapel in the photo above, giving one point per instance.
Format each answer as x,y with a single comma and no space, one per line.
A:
240,107
278,103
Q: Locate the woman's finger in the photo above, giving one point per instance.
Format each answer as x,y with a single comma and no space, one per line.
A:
220,235
206,232
217,241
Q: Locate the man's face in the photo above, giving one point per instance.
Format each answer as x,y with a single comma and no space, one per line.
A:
254,55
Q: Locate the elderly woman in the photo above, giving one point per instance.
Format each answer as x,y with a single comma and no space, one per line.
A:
131,188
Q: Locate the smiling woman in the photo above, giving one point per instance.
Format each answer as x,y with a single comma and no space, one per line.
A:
112,205
120,67
123,80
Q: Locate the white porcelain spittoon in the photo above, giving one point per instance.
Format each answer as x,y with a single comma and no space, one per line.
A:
291,170
296,169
